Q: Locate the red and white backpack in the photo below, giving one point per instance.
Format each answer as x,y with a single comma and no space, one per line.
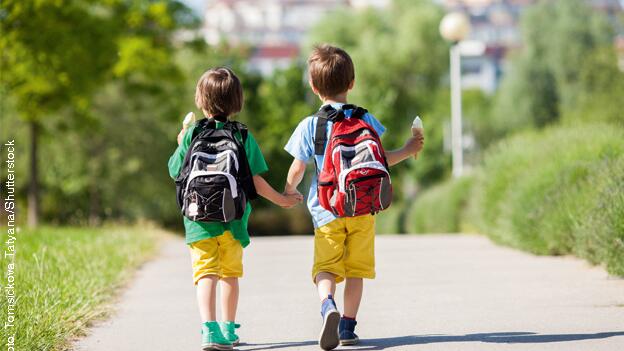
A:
354,180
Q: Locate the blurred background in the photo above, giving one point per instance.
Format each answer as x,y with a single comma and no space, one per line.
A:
94,92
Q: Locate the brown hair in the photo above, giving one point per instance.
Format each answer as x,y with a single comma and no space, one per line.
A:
219,92
331,70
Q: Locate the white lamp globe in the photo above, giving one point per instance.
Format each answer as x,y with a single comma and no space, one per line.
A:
455,26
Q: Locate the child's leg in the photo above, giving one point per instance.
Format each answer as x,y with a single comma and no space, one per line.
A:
328,268
229,303
206,272
206,297
352,296
328,257
231,257
325,284
359,260
205,257
229,298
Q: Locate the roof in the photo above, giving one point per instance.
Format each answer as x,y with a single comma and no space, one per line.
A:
277,51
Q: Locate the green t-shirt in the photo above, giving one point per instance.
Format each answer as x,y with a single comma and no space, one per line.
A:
196,231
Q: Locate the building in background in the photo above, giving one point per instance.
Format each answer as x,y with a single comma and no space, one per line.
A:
496,31
275,28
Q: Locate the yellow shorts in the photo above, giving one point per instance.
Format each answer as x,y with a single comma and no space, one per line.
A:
221,256
346,248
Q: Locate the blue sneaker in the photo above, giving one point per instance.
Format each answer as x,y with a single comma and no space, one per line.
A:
346,330
328,339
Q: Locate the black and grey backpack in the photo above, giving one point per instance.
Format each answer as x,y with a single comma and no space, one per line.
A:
215,182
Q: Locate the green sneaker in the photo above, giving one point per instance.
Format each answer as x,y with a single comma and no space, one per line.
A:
229,331
213,339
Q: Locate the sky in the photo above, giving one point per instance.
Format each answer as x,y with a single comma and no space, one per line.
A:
197,5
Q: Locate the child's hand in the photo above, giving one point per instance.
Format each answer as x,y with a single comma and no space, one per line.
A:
292,191
414,144
181,135
290,200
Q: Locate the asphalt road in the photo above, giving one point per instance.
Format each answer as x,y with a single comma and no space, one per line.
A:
434,292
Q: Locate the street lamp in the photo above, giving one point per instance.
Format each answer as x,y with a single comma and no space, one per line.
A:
454,28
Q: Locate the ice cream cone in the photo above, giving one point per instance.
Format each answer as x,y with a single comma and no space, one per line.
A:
417,129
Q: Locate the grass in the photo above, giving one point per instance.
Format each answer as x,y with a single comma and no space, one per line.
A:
66,276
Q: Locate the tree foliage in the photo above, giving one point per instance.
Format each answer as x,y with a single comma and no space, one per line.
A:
557,69
87,72
108,82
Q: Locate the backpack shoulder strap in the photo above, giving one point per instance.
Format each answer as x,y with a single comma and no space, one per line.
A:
326,113
205,124
358,112
242,129
244,174
201,125
237,127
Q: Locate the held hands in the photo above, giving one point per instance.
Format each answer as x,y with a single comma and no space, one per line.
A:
291,199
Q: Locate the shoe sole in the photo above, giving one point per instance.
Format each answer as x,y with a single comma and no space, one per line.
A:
216,347
328,340
349,342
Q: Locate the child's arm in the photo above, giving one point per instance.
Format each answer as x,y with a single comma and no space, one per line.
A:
265,190
176,160
412,146
295,175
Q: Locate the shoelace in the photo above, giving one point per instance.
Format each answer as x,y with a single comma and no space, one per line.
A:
236,326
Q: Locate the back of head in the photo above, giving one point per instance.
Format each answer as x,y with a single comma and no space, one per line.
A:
331,70
219,92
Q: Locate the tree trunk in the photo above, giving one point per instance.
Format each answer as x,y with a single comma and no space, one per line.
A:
94,168
33,184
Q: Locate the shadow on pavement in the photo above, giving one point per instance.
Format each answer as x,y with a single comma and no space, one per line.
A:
501,337
277,345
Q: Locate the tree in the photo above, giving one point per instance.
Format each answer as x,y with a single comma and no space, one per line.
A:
55,54
545,79
603,88
282,106
50,58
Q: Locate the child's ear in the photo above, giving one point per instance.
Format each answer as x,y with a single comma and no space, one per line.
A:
351,84
314,90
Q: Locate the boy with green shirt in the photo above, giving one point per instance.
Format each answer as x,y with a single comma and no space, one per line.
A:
217,248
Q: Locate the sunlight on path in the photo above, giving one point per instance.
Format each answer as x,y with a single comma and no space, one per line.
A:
442,292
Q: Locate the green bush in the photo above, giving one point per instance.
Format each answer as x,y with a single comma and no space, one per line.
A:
440,209
556,191
389,221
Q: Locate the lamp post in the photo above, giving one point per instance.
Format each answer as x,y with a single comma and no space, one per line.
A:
454,28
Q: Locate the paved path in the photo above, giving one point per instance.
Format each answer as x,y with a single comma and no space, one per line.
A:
440,292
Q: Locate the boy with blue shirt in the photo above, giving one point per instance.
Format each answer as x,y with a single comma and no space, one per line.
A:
343,247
